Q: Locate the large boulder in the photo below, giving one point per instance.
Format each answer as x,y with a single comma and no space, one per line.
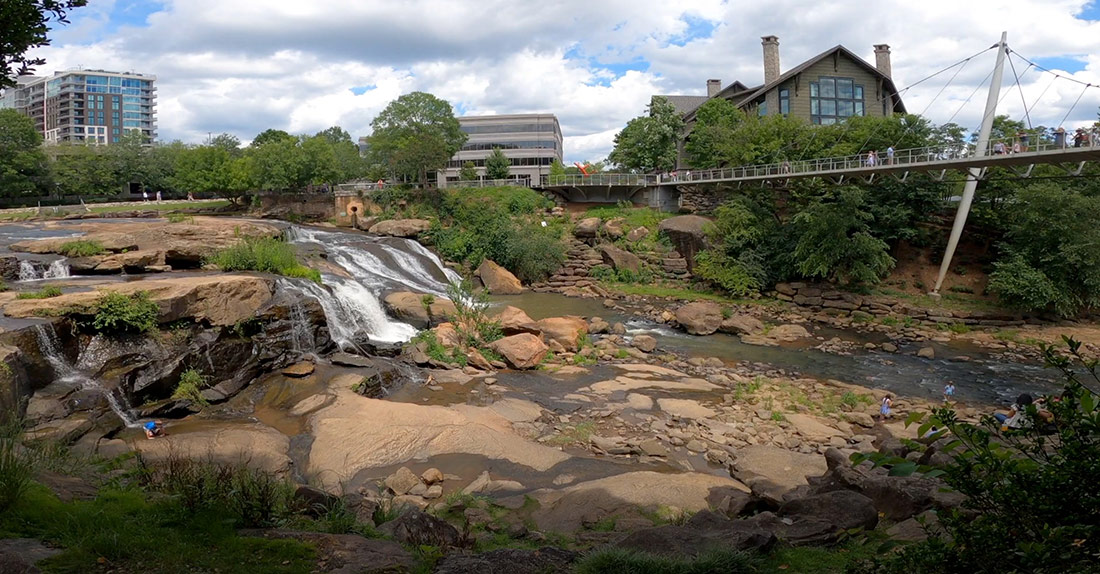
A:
514,321
741,325
700,317
401,227
789,333
417,528
587,228
498,280
620,258
523,351
840,510
417,309
567,331
687,235
613,228
772,471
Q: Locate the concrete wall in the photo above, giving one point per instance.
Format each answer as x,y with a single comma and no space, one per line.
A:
308,206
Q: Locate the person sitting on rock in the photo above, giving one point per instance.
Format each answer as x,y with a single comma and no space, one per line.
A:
1016,417
153,429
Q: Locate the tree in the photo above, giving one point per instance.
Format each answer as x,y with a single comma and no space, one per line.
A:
415,134
649,143
83,170
23,25
23,167
271,136
228,142
834,241
497,165
742,235
348,164
713,136
468,172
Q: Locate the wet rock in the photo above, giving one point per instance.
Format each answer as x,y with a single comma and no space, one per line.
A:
402,481
889,347
498,280
644,343
63,431
514,321
508,561
348,360
298,370
523,351
416,528
927,353
418,309
700,317
618,329
401,227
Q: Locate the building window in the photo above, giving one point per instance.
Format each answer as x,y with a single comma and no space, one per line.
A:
833,100
784,101
762,109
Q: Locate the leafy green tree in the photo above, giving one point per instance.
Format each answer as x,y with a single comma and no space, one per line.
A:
743,234
280,164
348,164
712,142
468,172
204,169
415,134
271,136
834,241
649,143
83,170
23,167
228,142
24,25
1050,256
497,165
557,171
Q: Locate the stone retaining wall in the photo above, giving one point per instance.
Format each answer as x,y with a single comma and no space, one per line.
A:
312,206
701,199
828,299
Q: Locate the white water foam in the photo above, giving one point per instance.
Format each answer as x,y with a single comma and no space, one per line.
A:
58,269
50,347
353,312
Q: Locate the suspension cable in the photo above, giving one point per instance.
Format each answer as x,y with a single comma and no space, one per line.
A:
1020,87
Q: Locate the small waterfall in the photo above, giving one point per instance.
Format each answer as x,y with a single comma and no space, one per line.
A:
57,269
50,347
352,312
301,333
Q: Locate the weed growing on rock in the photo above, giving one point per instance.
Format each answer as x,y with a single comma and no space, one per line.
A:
43,293
180,218
81,248
118,313
190,387
264,254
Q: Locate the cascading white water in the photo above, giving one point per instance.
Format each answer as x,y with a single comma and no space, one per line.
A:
301,335
58,269
50,347
353,307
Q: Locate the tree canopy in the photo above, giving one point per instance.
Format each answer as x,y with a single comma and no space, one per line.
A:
415,134
497,165
23,25
649,143
23,168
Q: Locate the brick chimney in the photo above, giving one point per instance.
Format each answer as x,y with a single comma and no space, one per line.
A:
713,87
882,58
771,58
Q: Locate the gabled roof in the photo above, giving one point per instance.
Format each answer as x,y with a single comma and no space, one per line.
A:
733,89
888,83
685,104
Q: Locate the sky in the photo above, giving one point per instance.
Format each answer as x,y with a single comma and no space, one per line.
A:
243,66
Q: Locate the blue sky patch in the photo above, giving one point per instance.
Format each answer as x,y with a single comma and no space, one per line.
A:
1061,63
696,28
360,90
1091,11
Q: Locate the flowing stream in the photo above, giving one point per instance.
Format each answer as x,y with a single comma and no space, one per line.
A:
56,269
66,372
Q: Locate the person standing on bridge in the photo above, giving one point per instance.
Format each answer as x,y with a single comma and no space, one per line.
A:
890,155
1060,137
1024,138
872,158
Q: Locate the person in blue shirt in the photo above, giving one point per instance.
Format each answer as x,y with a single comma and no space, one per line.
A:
153,429
948,392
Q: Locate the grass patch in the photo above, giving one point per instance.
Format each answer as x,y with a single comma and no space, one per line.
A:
162,206
815,560
1007,335
266,255
578,433
435,349
180,218
44,293
118,313
81,248
620,560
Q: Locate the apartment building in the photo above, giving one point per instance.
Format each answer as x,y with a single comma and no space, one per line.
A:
89,106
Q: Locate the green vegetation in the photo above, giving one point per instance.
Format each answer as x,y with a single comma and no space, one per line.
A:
1009,479
606,273
81,248
579,433
497,165
118,313
415,134
264,254
648,143
17,465
619,560
44,293
435,349
190,387
180,218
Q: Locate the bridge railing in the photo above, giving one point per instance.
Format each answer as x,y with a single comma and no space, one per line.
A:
604,179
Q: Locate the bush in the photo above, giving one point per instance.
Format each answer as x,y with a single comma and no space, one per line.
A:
266,255
81,248
190,387
1020,285
118,313
834,241
745,237
1032,498
255,498
43,293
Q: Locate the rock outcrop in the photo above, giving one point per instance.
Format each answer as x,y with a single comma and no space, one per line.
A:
522,351
565,331
418,309
498,280
700,317
688,235
401,227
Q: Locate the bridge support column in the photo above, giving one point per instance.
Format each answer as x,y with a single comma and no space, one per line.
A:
975,173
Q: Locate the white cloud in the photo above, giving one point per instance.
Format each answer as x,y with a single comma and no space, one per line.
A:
243,66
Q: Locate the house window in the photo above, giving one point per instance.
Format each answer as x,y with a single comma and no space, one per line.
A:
833,100
762,109
784,101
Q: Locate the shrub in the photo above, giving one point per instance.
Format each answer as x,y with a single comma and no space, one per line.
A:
118,313
470,319
834,241
43,293
1020,285
253,497
190,387
81,248
264,254
1032,498
180,218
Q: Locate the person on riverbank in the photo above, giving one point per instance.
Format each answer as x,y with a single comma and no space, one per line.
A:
1016,416
884,410
948,392
153,429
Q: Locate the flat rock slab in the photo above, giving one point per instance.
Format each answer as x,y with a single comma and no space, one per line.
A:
649,371
508,561
298,370
780,468
811,427
348,360
251,444
626,384
686,409
19,555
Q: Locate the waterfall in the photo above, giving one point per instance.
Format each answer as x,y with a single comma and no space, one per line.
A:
50,347
353,306
301,334
57,269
